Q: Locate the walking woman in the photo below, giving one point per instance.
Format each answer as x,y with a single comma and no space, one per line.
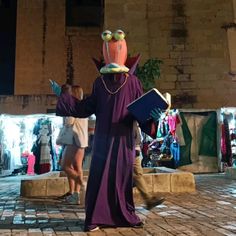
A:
73,155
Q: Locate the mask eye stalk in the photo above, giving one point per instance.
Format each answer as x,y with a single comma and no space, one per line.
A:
107,35
119,35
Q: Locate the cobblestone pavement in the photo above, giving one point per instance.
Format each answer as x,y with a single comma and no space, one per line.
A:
210,211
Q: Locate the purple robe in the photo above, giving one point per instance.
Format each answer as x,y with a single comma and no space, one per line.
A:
109,196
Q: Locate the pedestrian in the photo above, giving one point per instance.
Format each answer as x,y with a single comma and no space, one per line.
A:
73,155
109,195
139,181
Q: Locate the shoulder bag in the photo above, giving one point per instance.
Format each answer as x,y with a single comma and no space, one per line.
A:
65,136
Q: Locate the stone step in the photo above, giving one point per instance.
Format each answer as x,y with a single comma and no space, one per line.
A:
159,180
230,172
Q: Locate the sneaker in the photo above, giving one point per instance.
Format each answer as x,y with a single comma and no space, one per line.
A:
73,199
139,225
94,229
154,201
65,195
91,228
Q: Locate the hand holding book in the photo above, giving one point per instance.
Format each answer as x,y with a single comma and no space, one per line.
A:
148,109
150,105
156,114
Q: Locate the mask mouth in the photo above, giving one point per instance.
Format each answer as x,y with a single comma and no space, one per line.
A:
113,68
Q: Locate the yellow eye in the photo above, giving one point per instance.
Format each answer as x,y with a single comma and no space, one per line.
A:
106,35
119,35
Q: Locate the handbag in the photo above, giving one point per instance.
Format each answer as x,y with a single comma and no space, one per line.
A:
65,136
80,132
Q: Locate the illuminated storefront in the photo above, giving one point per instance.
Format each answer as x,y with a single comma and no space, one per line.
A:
29,133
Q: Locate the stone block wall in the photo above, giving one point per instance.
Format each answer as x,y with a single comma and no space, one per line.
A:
187,35
159,180
47,49
25,104
40,46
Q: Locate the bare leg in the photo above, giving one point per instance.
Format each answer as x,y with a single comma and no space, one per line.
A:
71,165
78,162
67,164
71,182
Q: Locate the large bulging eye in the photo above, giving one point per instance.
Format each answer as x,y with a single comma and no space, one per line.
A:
106,35
119,35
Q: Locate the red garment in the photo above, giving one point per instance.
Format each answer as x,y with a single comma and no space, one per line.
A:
44,168
145,148
173,120
222,141
31,162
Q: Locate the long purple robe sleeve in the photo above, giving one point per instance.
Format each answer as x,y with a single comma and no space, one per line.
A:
68,105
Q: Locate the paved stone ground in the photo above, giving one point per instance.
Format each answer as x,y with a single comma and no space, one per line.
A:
211,211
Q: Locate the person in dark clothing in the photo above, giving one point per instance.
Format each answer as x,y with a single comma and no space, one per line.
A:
109,195
139,181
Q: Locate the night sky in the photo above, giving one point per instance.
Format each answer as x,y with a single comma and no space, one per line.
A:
7,45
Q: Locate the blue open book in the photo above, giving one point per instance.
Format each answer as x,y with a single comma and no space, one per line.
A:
142,107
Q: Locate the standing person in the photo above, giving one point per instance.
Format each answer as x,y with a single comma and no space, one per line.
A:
109,195
145,151
139,181
66,88
73,155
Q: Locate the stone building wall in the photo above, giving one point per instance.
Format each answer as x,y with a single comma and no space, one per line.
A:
188,35
27,104
40,45
47,49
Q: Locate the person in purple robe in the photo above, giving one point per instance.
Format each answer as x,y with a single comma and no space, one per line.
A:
109,197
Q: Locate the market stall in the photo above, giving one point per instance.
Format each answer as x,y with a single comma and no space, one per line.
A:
28,134
186,139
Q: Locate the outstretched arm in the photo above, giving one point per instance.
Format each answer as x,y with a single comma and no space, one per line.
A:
68,105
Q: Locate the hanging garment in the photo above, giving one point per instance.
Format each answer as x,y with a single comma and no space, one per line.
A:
31,162
208,142
179,136
163,129
172,122
185,151
45,157
36,151
225,143
175,152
